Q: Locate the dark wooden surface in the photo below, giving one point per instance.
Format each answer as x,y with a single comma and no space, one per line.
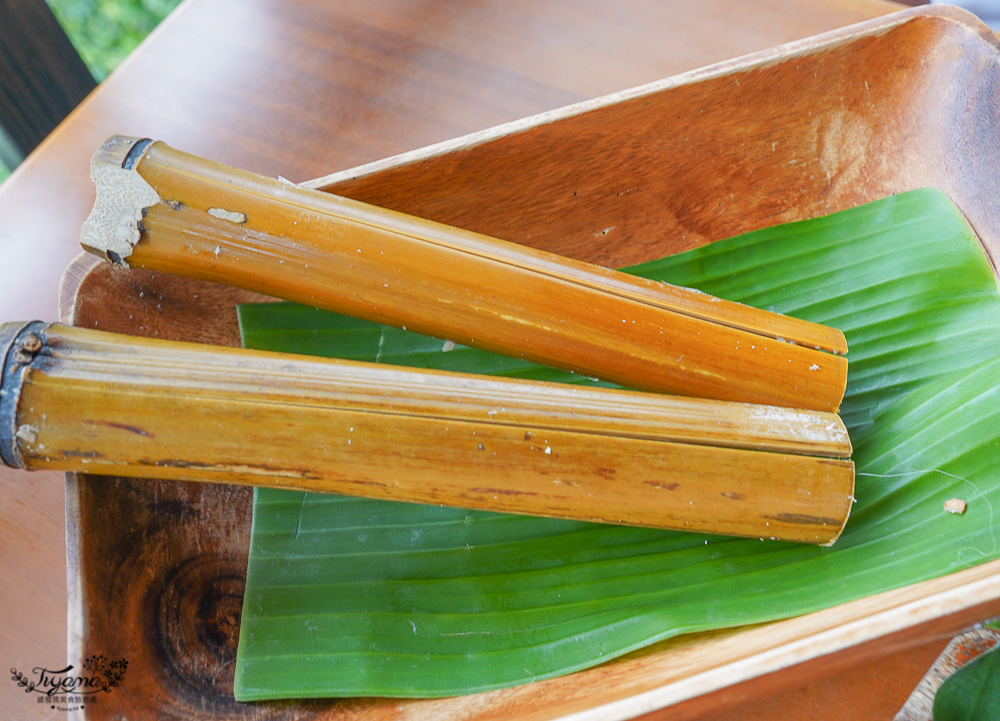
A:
42,78
308,87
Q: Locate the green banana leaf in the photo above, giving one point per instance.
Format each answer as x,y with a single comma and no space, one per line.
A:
973,691
353,597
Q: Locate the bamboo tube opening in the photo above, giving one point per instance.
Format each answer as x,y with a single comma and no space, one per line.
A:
161,209
102,403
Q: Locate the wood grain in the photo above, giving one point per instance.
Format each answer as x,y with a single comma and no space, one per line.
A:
723,150
688,676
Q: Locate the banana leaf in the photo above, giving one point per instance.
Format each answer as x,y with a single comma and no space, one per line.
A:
973,691
353,597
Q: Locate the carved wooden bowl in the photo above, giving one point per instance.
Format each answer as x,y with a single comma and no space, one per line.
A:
910,100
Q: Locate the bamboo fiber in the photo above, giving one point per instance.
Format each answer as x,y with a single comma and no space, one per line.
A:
86,400
161,209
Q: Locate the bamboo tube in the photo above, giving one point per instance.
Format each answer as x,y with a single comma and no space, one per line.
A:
86,400
162,209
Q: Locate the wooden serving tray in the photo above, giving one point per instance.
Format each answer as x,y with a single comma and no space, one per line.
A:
157,569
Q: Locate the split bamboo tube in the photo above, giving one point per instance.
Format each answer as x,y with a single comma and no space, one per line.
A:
165,210
86,400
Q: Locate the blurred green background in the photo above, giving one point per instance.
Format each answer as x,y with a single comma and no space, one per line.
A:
104,32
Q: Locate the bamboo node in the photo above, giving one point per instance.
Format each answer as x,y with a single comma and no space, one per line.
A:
19,344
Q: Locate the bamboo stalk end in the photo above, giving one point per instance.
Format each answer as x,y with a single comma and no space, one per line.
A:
115,222
20,343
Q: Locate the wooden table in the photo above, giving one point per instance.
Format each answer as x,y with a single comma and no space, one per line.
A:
301,88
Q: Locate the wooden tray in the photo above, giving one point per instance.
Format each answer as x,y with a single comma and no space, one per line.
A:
156,570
